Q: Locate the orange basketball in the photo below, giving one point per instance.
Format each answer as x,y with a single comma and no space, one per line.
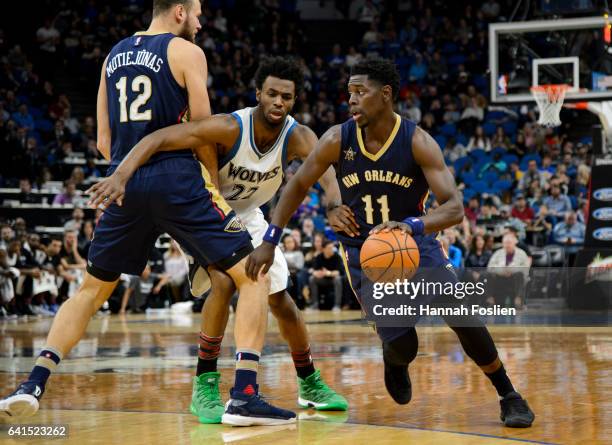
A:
389,256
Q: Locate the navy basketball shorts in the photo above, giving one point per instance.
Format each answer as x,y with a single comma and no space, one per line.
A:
433,266
168,196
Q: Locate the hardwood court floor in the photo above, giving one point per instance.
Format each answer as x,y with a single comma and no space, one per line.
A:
129,382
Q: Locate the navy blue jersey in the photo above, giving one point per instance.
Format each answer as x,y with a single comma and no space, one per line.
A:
143,95
386,186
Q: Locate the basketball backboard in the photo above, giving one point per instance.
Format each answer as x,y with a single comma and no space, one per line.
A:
575,51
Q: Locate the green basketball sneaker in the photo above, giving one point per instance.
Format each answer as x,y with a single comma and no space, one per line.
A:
206,401
314,393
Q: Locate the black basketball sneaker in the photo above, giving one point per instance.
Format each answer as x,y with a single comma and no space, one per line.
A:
397,381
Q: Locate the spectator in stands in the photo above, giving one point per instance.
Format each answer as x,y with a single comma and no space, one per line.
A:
353,57
479,140
68,195
472,115
580,186
507,269
70,122
142,290
570,233
176,270
23,260
500,139
76,222
25,192
6,236
308,229
78,177
531,174
418,70
454,253
490,9
522,210
295,262
85,236
558,204
8,276
72,263
326,276
478,258
472,211
23,118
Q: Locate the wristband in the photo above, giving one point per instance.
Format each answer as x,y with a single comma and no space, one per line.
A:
416,225
273,234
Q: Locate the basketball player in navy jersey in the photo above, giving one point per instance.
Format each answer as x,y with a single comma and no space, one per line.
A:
385,166
254,145
149,81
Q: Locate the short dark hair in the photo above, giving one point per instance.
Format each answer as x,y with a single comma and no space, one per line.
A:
161,6
326,243
382,71
285,68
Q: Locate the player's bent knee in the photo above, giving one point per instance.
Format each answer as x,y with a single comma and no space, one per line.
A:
280,300
222,283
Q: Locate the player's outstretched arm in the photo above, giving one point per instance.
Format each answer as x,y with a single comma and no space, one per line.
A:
324,155
340,217
204,134
428,156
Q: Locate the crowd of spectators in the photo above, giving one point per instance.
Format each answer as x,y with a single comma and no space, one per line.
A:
518,179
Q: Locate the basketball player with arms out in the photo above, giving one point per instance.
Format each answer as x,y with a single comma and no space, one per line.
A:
150,81
385,166
253,146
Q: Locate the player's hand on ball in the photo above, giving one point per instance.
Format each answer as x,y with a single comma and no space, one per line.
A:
392,225
105,192
260,260
342,219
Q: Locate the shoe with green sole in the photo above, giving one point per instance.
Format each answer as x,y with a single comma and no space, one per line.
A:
314,393
206,403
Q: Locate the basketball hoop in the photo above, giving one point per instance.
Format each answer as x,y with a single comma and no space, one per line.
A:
550,100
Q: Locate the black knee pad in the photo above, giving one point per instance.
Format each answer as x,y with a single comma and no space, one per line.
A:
403,349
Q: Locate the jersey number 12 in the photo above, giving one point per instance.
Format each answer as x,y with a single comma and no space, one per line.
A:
141,84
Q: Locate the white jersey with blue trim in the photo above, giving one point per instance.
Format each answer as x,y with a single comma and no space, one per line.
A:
248,178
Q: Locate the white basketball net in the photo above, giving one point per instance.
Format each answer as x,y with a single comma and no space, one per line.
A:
550,100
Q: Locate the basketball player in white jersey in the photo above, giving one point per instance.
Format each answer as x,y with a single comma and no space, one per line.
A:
249,149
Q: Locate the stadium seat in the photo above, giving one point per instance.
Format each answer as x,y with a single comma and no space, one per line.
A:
509,127
462,139
441,140
480,187
456,59
461,162
448,129
43,125
489,128
498,150
502,185
467,194
468,177
490,177
510,158
478,154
